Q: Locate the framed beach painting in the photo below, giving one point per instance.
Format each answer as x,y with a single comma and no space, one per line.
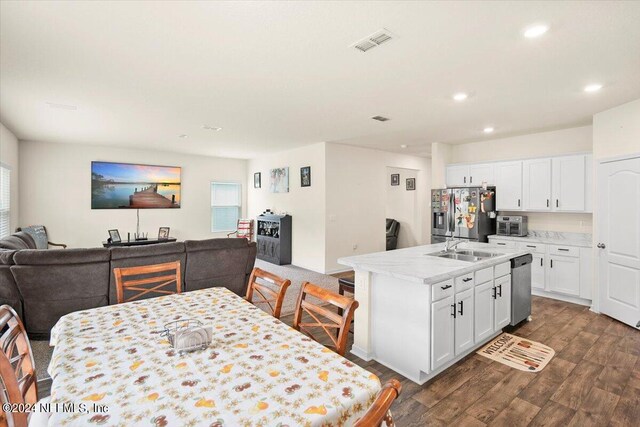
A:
279,180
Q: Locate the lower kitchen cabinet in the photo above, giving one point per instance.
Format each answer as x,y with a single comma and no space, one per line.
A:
564,274
502,297
484,311
464,335
538,271
442,332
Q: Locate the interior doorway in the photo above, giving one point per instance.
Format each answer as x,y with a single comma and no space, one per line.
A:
403,205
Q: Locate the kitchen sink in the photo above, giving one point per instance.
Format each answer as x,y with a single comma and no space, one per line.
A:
468,255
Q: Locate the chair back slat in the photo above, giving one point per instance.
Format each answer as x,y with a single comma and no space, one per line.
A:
379,413
17,367
128,280
256,291
330,321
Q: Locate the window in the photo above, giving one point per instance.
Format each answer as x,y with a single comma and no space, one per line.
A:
226,206
5,201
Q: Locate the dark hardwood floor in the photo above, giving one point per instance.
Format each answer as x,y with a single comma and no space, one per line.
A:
593,380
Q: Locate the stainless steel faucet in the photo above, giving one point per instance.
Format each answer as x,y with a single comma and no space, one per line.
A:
452,243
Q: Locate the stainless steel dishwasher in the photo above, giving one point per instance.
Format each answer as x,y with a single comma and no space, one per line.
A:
520,288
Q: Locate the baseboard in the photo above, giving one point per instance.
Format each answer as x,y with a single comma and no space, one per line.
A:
341,270
565,298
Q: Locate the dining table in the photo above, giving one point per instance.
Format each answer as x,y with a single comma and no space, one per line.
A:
113,366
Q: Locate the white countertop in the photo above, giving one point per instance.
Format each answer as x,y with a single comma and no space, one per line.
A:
413,264
583,240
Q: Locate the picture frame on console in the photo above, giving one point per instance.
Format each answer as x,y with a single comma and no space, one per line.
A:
163,233
114,235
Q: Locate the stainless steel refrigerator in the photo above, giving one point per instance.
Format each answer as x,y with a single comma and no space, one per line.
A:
464,213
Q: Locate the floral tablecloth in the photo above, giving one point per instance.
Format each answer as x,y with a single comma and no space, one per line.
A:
256,372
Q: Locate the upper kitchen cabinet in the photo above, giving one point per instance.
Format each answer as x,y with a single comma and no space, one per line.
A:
536,186
508,181
570,183
457,176
479,174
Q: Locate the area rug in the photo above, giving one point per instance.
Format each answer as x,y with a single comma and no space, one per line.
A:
519,353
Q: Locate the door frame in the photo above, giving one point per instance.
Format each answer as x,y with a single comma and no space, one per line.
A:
595,301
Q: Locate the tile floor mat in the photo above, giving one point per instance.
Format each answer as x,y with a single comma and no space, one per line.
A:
519,353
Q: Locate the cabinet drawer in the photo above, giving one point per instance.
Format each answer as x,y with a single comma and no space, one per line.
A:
536,248
505,243
502,269
564,250
464,282
484,275
441,290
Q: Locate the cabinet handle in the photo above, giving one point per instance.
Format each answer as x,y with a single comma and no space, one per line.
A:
453,312
547,202
518,202
494,292
465,179
500,293
531,246
561,249
444,288
501,244
467,279
601,246
470,180
541,262
461,308
551,263
557,203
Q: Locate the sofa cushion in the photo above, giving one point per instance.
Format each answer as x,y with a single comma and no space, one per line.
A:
219,263
61,256
144,255
14,242
8,290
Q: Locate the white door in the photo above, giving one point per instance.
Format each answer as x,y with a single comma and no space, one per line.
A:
564,274
502,293
484,311
479,174
509,186
619,239
569,179
457,176
464,336
538,271
442,327
536,184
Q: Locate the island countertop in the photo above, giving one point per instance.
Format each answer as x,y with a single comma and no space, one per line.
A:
415,265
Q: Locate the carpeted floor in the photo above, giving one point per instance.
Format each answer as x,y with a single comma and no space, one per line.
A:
297,275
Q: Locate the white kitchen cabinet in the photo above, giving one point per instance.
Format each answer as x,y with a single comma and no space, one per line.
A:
586,273
483,311
564,274
442,332
508,178
538,271
536,184
479,174
569,183
464,334
502,300
457,175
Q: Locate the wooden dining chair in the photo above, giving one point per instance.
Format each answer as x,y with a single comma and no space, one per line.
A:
18,372
265,292
379,414
129,279
330,321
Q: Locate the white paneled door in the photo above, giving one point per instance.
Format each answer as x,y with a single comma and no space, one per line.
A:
618,241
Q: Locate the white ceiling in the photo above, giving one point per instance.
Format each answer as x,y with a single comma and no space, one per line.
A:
277,75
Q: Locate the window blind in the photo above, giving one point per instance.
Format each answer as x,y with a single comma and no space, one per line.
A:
5,201
226,206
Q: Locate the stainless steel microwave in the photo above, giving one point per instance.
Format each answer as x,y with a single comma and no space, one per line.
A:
512,226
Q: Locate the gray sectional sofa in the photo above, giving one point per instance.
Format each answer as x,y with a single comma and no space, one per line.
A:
44,285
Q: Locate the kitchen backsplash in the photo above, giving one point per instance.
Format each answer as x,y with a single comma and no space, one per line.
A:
552,221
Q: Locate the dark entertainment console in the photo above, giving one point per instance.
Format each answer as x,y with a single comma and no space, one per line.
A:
138,242
273,239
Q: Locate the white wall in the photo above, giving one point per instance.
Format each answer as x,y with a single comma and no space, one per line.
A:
306,205
404,206
55,184
617,131
9,156
440,158
356,185
543,144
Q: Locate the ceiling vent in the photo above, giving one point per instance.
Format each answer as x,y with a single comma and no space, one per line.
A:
380,118
373,40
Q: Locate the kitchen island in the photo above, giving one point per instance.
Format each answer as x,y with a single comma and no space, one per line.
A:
422,309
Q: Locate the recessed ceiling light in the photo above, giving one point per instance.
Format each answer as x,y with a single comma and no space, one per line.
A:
461,96
535,31
488,129
403,145
594,87
380,118
215,128
182,135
